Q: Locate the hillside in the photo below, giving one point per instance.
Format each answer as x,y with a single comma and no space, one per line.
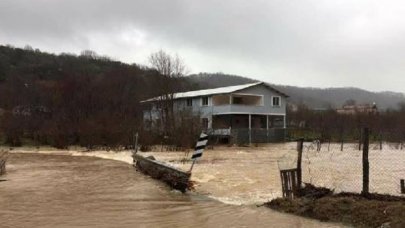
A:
312,97
90,100
67,99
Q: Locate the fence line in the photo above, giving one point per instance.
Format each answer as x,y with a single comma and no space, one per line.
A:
378,167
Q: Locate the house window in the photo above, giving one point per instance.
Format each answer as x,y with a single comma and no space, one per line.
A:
204,123
237,100
276,101
204,101
189,102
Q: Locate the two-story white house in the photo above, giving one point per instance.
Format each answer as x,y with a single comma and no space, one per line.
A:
254,107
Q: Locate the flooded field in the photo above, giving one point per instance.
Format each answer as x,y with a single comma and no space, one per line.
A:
234,175
250,175
42,190
342,170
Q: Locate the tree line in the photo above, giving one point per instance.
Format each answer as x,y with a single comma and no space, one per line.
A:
68,99
92,100
329,125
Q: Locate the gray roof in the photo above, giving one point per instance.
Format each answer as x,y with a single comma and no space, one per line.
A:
216,91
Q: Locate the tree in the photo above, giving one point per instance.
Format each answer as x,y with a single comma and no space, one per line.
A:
89,54
172,68
167,65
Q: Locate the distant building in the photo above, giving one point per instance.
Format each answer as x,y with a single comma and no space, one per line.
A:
353,109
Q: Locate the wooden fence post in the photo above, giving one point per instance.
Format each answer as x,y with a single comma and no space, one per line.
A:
381,141
366,166
3,159
402,186
360,139
136,135
300,146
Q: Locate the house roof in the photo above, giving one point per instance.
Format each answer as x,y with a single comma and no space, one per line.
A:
216,91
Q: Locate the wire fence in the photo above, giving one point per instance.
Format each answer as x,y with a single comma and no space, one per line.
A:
340,165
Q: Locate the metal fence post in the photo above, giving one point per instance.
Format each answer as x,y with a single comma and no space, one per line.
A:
366,166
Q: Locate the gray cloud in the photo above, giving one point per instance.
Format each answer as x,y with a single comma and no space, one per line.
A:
306,43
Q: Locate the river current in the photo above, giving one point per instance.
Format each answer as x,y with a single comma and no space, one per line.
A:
72,191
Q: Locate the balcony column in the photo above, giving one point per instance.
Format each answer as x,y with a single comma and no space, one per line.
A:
250,128
285,121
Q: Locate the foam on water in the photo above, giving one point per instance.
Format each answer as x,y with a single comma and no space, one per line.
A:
122,156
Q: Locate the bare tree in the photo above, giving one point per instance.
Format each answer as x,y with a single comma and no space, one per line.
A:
168,65
171,67
89,54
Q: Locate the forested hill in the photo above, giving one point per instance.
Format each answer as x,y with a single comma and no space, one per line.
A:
312,97
90,100
67,99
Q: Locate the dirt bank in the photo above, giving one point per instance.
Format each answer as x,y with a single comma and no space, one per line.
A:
347,208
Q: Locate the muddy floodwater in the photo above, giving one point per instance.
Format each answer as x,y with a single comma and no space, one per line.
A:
71,191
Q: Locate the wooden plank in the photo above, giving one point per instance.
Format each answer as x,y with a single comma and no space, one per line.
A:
294,183
290,185
287,193
289,182
282,184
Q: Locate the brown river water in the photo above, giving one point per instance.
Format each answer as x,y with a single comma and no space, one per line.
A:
72,191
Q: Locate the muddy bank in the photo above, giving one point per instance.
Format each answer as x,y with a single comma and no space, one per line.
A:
352,209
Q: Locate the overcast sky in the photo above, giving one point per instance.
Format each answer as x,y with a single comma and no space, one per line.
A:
305,43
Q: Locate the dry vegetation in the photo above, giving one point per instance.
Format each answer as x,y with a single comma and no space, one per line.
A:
353,209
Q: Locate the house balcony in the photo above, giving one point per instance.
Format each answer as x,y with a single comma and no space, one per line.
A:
241,104
242,109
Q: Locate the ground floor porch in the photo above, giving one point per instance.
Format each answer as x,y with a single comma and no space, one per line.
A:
248,121
248,128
